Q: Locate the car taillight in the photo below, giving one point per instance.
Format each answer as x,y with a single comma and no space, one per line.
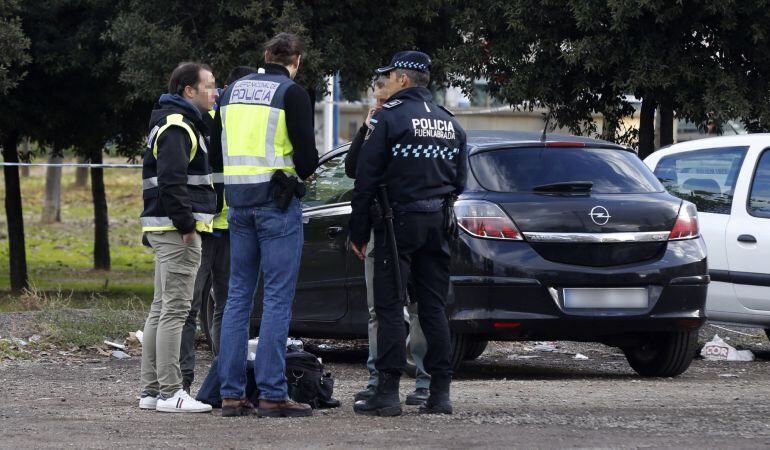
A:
686,226
485,220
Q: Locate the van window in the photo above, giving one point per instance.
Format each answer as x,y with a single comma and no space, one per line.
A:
759,198
704,177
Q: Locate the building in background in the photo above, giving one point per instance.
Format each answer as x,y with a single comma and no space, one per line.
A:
482,112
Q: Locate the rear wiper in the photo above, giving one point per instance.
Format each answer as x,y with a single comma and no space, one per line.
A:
566,186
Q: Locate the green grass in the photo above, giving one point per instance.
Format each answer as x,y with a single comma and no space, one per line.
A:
55,325
70,330
59,256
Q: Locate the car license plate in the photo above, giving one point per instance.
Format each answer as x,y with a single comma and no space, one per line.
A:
606,298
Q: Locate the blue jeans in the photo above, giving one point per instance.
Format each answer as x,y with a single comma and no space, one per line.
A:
268,241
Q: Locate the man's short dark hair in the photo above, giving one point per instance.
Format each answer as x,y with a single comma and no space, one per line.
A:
238,73
185,74
283,49
420,79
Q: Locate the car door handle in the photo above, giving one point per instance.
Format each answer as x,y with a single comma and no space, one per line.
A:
747,238
334,231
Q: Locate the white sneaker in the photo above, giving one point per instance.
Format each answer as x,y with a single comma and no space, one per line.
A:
181,402
147,401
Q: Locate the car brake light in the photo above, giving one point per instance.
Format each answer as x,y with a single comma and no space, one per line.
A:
565,144
686,226
485,220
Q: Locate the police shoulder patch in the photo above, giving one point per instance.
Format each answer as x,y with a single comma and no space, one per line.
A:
447,111
392,104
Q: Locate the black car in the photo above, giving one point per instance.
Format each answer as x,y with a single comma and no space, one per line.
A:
569,238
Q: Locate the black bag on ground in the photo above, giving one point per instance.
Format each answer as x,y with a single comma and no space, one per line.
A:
308,383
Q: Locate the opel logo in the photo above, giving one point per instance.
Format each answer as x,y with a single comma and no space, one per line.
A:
600,215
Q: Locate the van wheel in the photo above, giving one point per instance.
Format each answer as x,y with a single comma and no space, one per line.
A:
663,354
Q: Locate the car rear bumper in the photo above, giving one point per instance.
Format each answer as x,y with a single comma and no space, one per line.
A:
519,295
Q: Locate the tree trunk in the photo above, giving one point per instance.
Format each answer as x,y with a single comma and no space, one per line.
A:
52,205
25,150
647,128
666,125
101,217
81,173
17,254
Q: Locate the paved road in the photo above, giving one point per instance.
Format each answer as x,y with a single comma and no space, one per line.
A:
510,397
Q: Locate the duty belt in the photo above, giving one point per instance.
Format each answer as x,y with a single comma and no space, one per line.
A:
425,205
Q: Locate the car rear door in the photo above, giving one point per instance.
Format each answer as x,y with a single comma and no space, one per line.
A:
748,233
321,285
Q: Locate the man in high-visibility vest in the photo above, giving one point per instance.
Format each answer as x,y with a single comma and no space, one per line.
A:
214,272
179,202
263,140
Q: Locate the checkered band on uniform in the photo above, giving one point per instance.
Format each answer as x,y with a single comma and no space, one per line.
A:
431,151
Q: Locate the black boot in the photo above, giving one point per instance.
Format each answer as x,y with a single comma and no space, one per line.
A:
418,397
366,394
438,402
385,401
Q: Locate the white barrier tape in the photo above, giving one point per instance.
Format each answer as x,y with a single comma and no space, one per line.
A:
94,166
733,331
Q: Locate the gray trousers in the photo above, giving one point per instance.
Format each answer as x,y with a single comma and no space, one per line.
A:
175,266
416,343
214,272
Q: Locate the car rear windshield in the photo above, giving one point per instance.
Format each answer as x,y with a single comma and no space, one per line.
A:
611,171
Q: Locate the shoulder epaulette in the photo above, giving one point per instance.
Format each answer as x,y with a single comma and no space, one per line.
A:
447,111
392,104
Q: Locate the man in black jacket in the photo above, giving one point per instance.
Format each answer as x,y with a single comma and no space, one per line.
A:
416,338
418,151
179,202
264,143
214,272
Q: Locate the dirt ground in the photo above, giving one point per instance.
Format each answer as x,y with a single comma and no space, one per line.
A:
512,396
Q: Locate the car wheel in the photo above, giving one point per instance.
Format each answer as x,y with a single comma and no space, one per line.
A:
207,319
475,348
459,349
664,354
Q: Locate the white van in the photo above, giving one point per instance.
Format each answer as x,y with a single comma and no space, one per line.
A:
728,179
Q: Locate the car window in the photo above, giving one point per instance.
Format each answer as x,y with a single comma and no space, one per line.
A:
705,177
759,198
329,184
611,171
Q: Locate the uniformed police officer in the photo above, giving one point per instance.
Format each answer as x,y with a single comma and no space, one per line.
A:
417,150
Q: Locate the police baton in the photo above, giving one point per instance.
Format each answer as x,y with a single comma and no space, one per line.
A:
387,215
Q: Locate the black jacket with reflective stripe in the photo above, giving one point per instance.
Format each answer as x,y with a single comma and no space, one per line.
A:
416,148
177,189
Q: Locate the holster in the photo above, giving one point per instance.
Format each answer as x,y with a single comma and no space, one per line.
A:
450,219
285,188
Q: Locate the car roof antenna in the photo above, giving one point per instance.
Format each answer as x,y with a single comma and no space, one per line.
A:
545,128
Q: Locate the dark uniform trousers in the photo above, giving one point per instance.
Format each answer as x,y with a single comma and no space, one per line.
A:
424,260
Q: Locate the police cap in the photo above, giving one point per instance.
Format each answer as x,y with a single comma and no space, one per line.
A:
409,59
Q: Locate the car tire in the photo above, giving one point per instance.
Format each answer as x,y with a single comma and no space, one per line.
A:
206,316
458,350
663,354
474,348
